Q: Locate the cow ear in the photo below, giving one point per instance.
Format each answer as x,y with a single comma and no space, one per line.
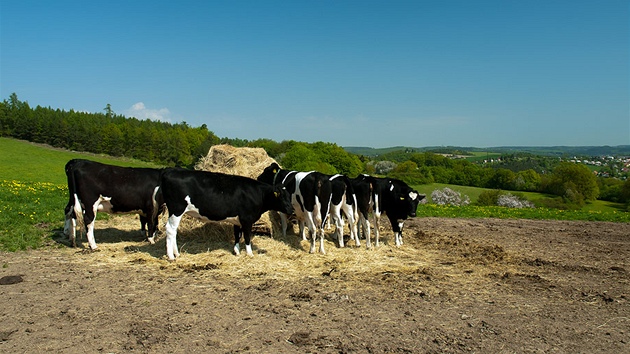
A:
277,194
402,198
275,171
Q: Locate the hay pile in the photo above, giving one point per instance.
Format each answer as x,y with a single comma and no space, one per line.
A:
248,162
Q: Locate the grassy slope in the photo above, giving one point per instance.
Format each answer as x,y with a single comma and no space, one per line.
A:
27,162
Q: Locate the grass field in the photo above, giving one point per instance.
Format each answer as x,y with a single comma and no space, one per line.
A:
28,162
33,192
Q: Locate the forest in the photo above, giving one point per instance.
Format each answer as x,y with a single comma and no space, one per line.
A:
182,145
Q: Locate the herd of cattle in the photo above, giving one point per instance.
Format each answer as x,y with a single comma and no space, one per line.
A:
310,197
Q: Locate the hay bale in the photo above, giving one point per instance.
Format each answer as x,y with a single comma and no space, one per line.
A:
248,162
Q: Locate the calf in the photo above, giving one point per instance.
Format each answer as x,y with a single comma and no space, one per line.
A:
95,187
213,196
310,196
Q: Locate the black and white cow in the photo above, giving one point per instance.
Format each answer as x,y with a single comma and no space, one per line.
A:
396,200
344,203
388,196
94,187
310,196
211,196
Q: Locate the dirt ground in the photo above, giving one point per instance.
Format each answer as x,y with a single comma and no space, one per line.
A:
456,285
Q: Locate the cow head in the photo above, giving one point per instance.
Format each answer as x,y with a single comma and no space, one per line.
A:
409,200
269,173
282,200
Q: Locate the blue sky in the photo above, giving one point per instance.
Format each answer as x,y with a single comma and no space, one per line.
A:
355,73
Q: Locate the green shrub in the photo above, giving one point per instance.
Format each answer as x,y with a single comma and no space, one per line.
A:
489,197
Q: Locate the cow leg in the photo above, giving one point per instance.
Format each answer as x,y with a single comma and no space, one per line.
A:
350,214
237,238
335,215
283,221
365,225
377,218
321,241
247,237
153,228
311,228
171,236
143,226
90,221
398,235
302,230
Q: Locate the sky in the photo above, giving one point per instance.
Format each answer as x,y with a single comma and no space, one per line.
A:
417,73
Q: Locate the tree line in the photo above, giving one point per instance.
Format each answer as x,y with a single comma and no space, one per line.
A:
182,145
163,143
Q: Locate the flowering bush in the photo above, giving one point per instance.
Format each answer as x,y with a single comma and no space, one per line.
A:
512,201
384,167
448,196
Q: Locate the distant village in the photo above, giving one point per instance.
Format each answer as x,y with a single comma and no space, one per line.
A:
607,166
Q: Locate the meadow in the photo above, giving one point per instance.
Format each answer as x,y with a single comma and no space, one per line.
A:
34,192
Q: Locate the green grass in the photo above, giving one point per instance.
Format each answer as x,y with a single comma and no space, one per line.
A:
24,161
472,211
30,213
473,194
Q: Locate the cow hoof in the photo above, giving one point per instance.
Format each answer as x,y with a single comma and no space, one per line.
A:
151,240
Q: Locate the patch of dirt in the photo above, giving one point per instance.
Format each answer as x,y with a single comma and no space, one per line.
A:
456,285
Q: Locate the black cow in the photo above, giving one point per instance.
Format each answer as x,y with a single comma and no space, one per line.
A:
211,196
95,187
310,196
388,196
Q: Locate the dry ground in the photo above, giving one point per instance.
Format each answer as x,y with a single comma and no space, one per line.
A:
456,285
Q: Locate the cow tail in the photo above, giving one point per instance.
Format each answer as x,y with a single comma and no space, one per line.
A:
157,205
324,191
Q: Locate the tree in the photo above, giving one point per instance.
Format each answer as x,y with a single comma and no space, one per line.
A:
108,111
528,180
573,182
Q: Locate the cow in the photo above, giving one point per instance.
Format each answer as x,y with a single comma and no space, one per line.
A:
212,196
364,187
388,196
311,193
398,201
94,187
343,201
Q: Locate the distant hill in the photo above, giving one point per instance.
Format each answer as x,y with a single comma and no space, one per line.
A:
619,150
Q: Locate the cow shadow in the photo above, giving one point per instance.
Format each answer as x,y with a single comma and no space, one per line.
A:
102,236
